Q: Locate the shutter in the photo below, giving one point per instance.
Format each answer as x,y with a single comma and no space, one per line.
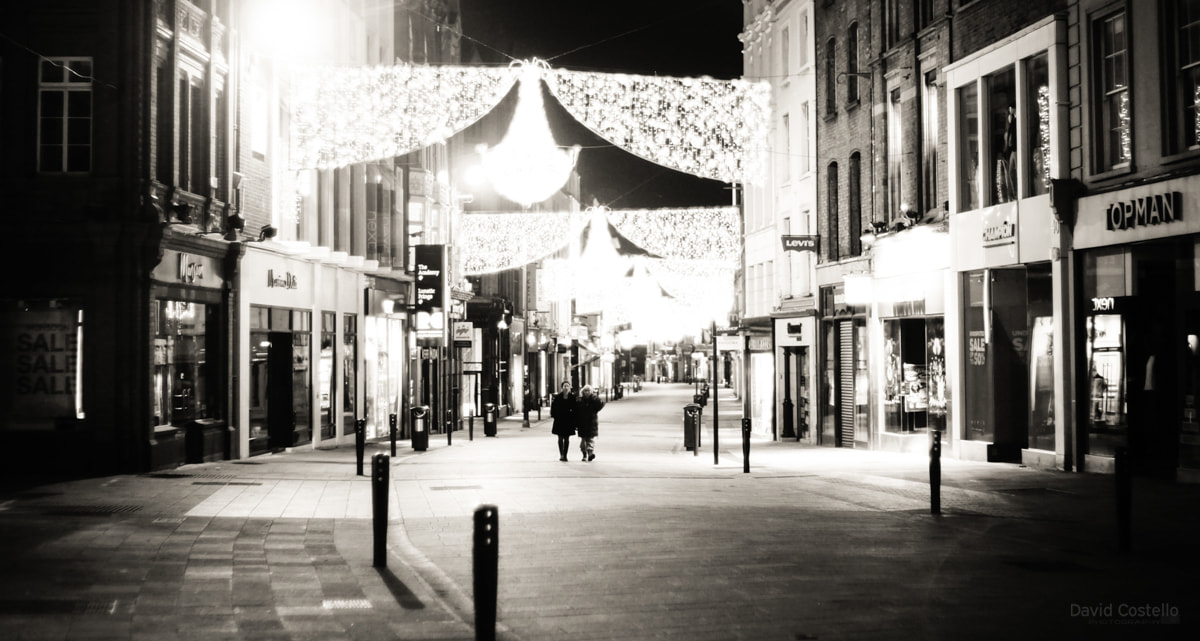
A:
846,389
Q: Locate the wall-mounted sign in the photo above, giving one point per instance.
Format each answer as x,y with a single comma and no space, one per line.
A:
759,344
431,277
189,269
286,280
1156,209
801,243
462,333
730,343
999,230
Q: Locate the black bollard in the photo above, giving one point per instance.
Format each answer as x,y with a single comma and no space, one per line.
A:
360,442
449,428
379,506
487,559
935,474
745,446
1124,481
392,427
471,427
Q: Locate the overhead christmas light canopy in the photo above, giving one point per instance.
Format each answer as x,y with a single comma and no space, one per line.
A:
709,128
708,235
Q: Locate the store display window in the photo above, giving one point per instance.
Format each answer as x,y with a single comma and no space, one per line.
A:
182,377
914,391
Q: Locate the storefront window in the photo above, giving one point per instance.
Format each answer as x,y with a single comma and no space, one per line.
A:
1002,132
1107,422
349,372
1037,106
182,390
976,382
325,374
915,374
968,129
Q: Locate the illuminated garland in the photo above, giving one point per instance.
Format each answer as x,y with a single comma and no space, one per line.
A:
495,242
700,126
343,116
695,233
709,128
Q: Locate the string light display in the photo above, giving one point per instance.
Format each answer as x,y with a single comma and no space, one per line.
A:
701,126
504,241
692,233
498,241
347,115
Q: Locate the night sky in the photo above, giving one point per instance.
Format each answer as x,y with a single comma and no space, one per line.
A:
649,37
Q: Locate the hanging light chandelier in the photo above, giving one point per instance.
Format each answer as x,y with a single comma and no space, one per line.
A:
528,166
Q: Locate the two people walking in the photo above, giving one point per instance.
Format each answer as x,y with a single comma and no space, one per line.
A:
576,415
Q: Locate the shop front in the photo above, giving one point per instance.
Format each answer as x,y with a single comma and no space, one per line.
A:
299,371
1139,316
189,334
760,398
907,294
845,416
795,371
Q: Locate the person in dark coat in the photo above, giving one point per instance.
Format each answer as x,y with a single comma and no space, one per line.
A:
562,410
587,421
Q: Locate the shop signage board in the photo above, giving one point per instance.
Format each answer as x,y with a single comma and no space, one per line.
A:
462,333
431,276
730,343
801,243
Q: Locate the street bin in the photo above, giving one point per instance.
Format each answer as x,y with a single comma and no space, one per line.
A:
700,399
489,419
420,427
691,426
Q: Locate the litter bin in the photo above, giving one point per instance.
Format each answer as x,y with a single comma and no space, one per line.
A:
691,426
489,419
420,427
700,399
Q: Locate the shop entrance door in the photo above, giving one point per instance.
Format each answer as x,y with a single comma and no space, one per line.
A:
280,413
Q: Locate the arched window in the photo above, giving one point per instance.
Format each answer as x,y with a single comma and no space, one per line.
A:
852,64
831,77
855,203
831,216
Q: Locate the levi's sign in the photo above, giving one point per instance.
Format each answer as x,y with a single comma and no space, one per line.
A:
800,243
1147,210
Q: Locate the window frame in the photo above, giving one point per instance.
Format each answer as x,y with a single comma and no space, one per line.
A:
71,82
831,78
852,95
833,250
1176,106
1101,161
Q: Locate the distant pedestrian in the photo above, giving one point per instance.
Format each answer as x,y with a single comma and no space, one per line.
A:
587,421
562,410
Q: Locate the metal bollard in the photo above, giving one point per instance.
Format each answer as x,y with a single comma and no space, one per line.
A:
935,474
380,472
1124,487
745,446
471,426
392,428
449,428
487,557
360,442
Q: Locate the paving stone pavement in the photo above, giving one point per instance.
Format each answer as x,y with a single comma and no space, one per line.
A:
649,541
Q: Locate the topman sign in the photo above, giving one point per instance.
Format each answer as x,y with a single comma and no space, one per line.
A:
1147,210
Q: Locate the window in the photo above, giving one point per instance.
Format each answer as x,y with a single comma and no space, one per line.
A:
895,154
930,141
785,53
855,203
852,64
1037,125
802,40
1113,135
1185,16
923,13
968,136
804,152
891,23
193,135
831,77
785,147
65,115
831,202
1002,135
